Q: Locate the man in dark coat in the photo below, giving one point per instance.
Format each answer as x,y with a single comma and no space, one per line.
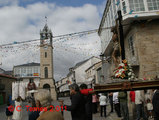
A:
155,102
88,105
77,107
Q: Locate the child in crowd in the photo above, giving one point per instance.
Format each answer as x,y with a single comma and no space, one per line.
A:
9,112
149,108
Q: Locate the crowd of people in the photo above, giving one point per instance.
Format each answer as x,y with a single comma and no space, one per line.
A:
85,102
144,104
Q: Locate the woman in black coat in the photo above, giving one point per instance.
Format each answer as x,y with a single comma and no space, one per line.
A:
77,106
155,102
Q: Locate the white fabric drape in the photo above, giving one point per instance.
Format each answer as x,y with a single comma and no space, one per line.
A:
18,89
22,90
15,90
13,95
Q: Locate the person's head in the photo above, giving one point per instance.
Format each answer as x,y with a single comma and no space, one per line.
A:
83,86
148,100
8,104
42,97
74,89
30,80
38,104
32,94
19,99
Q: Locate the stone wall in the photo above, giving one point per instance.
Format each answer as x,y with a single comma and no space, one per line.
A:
8,87
146,42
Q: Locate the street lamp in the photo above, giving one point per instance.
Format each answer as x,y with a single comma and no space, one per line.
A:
102,57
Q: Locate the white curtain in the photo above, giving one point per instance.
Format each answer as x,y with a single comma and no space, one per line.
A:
18,89
22,90
15,88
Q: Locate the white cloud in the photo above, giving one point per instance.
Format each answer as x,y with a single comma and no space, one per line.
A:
20,24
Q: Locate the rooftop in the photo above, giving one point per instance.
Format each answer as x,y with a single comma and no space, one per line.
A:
29,64
7,76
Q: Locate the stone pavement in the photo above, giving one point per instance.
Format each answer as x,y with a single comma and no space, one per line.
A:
3,109
67,114
96,116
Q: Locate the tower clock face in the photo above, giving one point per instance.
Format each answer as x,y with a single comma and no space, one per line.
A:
45,47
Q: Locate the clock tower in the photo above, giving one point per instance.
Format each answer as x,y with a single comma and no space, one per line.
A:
46,62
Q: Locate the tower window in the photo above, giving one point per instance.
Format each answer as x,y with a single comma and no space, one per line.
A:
46,72
45,54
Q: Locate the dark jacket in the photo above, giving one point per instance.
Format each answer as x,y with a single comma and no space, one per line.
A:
155,102
8,112
77,107
122,96
34,115
88,106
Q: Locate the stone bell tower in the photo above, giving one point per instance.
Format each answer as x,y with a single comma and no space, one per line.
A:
46,62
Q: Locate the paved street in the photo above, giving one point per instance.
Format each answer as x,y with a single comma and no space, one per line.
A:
111,116
67,114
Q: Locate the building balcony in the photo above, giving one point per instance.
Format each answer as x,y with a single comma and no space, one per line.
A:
139,9
2,86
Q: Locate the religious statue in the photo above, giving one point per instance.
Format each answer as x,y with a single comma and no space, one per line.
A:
116,51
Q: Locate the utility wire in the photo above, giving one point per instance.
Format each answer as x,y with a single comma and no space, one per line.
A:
60,36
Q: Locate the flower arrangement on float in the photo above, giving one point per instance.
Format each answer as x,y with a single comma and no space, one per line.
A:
124,71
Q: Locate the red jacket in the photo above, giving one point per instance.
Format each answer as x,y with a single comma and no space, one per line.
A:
86,91
132,96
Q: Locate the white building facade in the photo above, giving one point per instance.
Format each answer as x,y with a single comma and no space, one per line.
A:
80,68
140,36
131,10
26,71
91,73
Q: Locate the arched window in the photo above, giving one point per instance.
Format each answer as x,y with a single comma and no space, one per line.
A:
46,86
45,54
46,72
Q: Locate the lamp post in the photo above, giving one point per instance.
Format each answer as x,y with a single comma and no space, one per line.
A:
102,57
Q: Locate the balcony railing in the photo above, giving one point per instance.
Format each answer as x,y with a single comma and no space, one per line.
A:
143,6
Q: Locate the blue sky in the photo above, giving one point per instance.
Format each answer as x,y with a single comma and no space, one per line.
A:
21,20
73,3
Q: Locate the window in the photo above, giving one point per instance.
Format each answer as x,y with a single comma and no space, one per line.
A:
114,7
111,14
18,72
46,72
15,71
124,7
45,54
29,71
136,5
36,70
131,45
153,4
24,70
